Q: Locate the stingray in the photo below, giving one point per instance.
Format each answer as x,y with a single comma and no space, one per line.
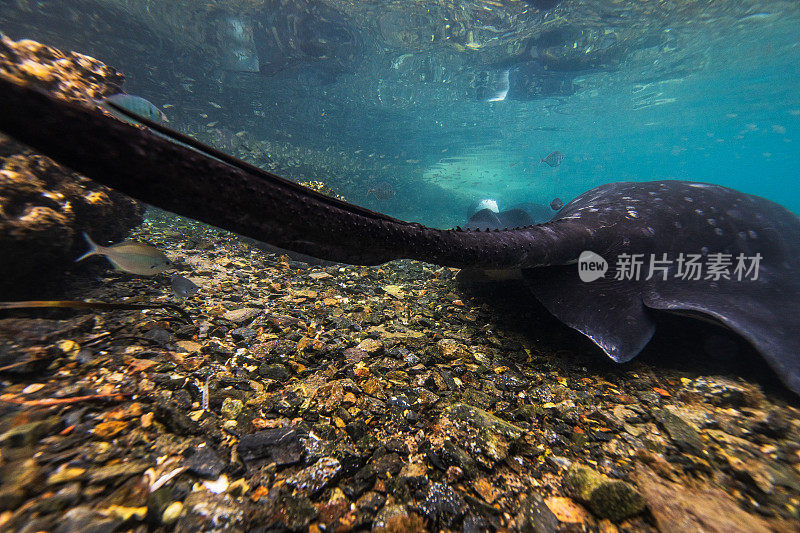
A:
486,219
662,218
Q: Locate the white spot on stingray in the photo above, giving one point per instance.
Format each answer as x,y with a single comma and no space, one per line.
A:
752,234
704,250
712,221
632,213
688,199
742,235
699,212
718,231
700,185
678,224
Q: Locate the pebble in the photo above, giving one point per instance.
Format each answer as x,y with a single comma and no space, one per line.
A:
243,334
451,349
682,432
275,371
370,346
242,315
389,518
616,500
231,408
536,517
172,513
205,462
189,346
277,445
27,434
609,498
443,505
487,437
316,477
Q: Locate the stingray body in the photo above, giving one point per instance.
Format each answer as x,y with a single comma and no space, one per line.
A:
662,221
662,217
487,220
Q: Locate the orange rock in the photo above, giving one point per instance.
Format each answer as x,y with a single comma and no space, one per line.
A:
567,510
106,430
485,489
140,365
259,493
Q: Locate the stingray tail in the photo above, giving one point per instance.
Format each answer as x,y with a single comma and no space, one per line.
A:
197,181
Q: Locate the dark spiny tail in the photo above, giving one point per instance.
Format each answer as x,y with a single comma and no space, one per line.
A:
207,185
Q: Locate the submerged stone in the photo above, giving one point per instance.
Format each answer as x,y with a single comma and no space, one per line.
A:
608,498
206,463
231,408
536,517
240,316
487,438
615,500
443,505
582,480
316,477
682,432
276,445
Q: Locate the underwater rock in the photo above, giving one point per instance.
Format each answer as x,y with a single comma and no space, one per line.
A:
582,481
278,445
487,437
615,499
536,517
608,498
206,463
443,505
241,316
681,432
316,477
699,508
43,206
231,408
15,481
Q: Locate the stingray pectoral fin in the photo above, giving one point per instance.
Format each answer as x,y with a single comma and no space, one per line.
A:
764,312
609,312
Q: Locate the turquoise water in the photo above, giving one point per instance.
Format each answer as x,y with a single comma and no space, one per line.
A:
695,91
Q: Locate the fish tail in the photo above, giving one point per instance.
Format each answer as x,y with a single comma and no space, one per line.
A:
93,248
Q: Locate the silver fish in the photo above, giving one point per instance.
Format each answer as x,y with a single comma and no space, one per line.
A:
129,256
134,104
182,287
553,159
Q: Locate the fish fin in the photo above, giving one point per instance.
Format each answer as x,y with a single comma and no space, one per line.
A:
93,248
764,312
609,312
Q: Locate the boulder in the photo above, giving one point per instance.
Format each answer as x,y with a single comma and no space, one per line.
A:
44,207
